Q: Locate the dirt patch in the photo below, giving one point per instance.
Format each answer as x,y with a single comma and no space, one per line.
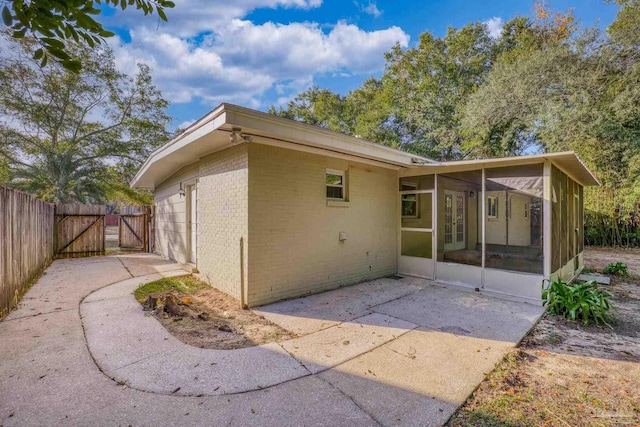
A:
567,374
538,388
208,318
598,258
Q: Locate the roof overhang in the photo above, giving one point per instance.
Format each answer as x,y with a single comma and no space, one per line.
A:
567,161
212,133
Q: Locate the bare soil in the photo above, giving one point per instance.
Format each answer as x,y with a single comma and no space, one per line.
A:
566,374
213,319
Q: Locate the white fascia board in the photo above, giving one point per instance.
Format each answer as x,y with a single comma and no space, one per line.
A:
323,152
567,161
289,130
295,134
191,134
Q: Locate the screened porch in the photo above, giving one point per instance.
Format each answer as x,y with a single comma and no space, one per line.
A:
483,225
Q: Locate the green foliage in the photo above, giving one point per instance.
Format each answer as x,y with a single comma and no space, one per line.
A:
617,269
183,284
57,23
418,103
319,107
585,302
76,137
544,85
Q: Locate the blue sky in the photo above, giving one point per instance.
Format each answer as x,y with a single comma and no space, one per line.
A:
259,53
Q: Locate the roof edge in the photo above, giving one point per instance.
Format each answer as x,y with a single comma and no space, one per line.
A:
322,131
232,109
528,159
207,118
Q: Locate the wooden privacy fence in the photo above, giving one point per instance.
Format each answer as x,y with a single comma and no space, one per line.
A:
33,232
26,243
135,229
79,230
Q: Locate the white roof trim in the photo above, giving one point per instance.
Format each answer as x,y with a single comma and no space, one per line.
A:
567,161
267,126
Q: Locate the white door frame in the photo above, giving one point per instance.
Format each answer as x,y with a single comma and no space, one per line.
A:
417,266
455,243
191,202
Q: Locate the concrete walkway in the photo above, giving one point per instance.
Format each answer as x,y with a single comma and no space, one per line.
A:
387,352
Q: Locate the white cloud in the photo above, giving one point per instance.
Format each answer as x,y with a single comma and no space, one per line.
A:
190,18
371,9
240,61
495,26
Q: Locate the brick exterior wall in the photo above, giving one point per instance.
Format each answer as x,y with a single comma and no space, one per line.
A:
223,217
275,199
293,235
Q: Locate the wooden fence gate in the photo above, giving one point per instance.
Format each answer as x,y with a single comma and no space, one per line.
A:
79,230
135,228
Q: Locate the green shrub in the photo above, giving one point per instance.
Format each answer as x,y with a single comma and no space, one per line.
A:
617,269
181,284
583,302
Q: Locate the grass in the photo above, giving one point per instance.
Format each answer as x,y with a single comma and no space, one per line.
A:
181,284
507,392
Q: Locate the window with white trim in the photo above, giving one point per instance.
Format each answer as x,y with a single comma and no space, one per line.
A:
410,205
336,184
409,201
492,207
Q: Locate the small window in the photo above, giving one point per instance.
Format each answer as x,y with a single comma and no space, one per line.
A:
492,207
335,184
409,206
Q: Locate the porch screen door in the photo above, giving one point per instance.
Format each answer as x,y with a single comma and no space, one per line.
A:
416,233
454,220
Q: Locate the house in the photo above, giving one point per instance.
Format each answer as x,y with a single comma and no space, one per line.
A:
268,208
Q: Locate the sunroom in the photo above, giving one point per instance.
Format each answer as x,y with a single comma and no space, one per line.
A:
499,225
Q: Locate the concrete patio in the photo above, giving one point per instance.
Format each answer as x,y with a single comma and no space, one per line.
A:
79,350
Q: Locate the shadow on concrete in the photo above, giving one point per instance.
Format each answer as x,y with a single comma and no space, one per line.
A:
406,352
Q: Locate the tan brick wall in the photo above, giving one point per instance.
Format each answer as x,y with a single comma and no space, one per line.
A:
171,218
294,247
222,217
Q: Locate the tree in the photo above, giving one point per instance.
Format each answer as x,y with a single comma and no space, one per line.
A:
419,101
534,70
571,91
76,137
56,23
319,107
427,87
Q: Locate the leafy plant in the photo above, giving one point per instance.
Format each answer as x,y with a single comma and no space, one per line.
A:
585,301
617,269
57,23
76,137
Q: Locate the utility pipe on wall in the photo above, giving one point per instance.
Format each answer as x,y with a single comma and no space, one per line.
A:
243,299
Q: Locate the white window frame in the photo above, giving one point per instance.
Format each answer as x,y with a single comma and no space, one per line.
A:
343,174
495,205
412,187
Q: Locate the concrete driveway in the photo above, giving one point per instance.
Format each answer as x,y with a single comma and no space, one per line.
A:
407,352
